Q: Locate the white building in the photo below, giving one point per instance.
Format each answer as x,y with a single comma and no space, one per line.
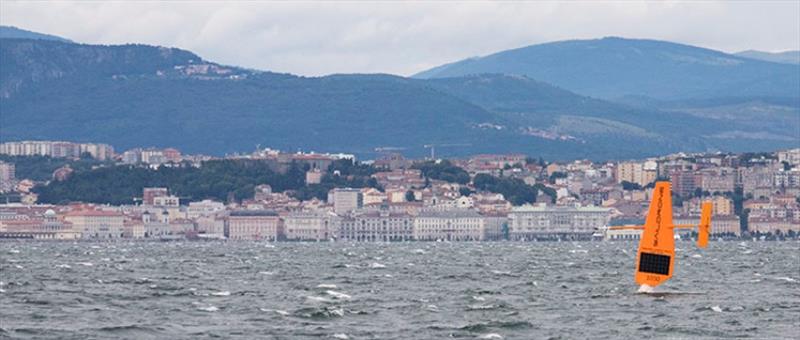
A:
556,222
253,225
789,156
311,225
166,201
450,225
204,208
7,176
96,224
345,199
377,225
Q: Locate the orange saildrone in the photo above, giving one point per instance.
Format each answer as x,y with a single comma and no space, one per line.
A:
655,260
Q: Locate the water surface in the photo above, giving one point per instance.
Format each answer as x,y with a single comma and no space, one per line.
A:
491,290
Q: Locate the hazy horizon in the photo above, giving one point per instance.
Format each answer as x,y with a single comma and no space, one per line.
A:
400,39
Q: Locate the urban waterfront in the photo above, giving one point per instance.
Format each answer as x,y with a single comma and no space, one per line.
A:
420,290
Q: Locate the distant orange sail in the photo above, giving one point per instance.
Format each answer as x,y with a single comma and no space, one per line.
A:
655,260
704,228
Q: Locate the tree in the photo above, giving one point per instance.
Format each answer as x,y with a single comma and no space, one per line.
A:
444,171
555,175
743,217
410,196
630,186
513,189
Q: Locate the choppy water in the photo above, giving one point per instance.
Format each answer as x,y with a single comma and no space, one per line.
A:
392,291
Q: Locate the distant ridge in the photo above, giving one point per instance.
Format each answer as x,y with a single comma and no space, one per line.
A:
788,57
11,32
616,67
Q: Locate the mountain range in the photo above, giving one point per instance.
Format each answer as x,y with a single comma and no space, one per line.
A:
139,95
615,67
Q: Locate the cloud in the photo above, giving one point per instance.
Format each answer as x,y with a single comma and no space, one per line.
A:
316,38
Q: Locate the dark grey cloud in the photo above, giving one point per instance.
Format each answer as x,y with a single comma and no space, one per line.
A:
315,38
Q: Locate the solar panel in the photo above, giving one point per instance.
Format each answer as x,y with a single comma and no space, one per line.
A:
654,263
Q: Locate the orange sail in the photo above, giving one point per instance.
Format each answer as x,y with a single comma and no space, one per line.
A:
704,228
656,257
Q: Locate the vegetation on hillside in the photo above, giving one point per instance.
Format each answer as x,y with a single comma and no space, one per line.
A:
41,168
444,171
218,179
513,189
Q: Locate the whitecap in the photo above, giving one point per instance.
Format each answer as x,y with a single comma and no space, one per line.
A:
491,336
222,293
63,266
419,251
716,309
787,279
696,256
265,273
326,286
277,311
478,298
340,336
208,309
337,295
13,251
646,289
376,265
18,266
318,299
86,264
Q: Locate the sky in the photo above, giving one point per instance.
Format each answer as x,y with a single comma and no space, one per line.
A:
319,38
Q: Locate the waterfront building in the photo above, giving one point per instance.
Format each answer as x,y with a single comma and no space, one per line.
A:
97,224
556,222
720,224
451,225
311,225
204,208
377,225
495,225
253,225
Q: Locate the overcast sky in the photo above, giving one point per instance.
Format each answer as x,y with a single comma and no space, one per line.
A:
401,38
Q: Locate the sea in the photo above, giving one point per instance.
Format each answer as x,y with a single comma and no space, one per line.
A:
414,290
